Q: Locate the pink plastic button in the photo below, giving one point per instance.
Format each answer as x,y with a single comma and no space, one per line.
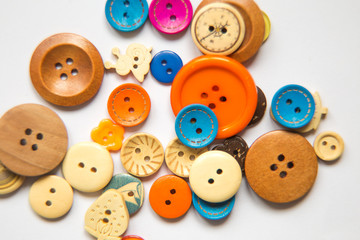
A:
170,16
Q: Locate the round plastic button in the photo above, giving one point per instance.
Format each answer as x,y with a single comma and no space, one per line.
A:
126,15
170,16
51,197
132,237
9,181
215,176
66,69
170,196
213,211
165,65
329,146
196,126
88,166
293,106
129,105
222,84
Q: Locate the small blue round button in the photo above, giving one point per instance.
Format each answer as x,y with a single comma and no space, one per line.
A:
165,65
293,106
126,15
196,126
213,211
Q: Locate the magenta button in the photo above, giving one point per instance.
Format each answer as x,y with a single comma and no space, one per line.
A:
170,16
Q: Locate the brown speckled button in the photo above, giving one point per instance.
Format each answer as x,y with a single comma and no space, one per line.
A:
281,166
260,108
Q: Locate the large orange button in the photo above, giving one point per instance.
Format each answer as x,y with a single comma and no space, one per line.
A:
222,84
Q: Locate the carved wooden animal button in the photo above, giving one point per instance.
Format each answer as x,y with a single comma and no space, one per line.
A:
9,181
281,166
51,196
329,146
33,140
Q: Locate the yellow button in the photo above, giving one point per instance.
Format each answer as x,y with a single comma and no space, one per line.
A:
9,181
88,166
215,176
51,196
329,146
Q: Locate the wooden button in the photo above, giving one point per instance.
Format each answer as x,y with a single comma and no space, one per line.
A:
142,154
281,166
66,69
108,134
179,158
131,189
170,196
329,146
215,176
260,107
33,140
88,166
9,181
51,197
107,217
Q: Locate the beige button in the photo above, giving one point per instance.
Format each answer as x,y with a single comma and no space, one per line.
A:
142,154
329,146
9,181
88,166
107,217
179,158
51,196
215,176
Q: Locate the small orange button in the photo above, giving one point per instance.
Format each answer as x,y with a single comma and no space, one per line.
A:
108,134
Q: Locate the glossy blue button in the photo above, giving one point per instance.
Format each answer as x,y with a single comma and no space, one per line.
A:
213,211
293,106
196,125
126,15
165,65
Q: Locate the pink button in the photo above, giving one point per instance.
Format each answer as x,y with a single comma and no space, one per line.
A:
170,16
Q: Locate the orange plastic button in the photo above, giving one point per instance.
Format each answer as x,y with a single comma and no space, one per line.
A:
129,105
108,134
222,84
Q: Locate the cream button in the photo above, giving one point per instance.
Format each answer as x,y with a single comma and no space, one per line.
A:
51,196
9,181
215,176
88,166
329,146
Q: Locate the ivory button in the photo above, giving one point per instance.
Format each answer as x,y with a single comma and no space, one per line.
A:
329,146
9,181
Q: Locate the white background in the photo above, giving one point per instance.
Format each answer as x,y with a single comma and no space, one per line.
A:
312,43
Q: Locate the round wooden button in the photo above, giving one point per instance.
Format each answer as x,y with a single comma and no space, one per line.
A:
329,146
142,154
170,196
88,166
260,108
66,69
9,181
179,157
51,197
129,105
215,176
33,140
281,166
267,26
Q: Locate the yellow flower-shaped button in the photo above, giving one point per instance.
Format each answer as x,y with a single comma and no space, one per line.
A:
108,134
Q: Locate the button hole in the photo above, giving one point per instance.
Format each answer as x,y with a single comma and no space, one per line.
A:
146,158
172,191
283,174
126,15
211,28
163,62
69,61
136,58
167,202
58,66
28,131
48,203
290,165
192,157
34,147
81,164
39,136
204,95
169,71
193,120
74,72
23,142
131,110
173,18
126,99
105,220
126,3
215,88
224,30
108,212
211,181
219,171
198,130
333,147
324,143
137,150
135,66
212,106
181,153
281,157
297,110
169,6
273,167
63,76
222,99
52,190
131,193
289,101
93,169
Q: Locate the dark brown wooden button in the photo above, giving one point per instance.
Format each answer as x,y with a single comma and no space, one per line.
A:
33,140
281,166
66,69
260,107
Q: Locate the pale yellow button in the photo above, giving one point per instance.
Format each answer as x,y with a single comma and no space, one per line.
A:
9,181
179,158
51,196
215,176
88,166
329,146
267,26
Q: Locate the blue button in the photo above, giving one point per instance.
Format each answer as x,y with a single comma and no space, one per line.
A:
126,15
196,126
293,106
213,211
165,65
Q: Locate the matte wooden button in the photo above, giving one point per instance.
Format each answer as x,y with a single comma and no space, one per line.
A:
66,69
179,158
33,140
142,154
215,176
88,166
170,196
107,217
329,146
260,107
281,166
9,181
51,197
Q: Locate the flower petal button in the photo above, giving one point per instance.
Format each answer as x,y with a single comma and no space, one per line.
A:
108,134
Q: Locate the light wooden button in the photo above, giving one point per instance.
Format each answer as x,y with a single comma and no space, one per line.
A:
51,196
9,181
142,154
215,176
179,158
88,166
329,146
